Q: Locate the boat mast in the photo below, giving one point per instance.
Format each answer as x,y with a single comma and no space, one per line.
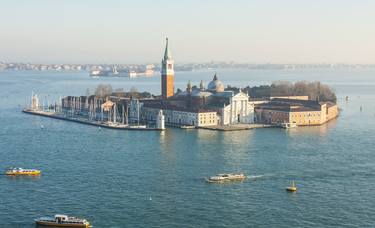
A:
127,115
43,105
101,110
123,114
32,99
114,112
47,103
138,111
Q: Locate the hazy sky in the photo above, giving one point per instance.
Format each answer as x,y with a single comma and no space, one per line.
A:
254,31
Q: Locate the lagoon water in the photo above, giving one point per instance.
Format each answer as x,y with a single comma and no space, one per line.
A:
152,179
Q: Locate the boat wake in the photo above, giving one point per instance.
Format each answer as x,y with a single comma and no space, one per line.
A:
263,176
253,177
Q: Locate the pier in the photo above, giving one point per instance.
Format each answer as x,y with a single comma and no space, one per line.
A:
237,127
88,122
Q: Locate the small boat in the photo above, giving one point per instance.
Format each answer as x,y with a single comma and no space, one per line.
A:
292,188
288,125
62,221
187,127
226,177
22,172
137,126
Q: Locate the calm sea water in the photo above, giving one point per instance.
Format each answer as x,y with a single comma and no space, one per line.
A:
152,179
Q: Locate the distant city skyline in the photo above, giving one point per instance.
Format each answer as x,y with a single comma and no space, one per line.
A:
114,31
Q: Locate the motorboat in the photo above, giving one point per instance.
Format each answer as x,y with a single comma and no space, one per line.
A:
62,221
187,127
226,177
22,172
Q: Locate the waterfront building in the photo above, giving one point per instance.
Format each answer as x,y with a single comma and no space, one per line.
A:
178,116
296,112
167,74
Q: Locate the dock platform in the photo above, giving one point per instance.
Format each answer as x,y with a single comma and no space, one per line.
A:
88,122
237,127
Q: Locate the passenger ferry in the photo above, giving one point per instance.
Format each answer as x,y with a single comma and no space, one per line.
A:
22,172
226,177
62,221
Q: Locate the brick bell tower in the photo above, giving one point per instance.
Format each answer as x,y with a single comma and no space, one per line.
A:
167,74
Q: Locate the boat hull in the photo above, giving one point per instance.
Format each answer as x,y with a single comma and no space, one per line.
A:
291,189
54,224
36,173
225,180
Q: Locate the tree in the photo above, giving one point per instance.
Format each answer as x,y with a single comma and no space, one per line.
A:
103,90
259,91
281,88
119,92
314,90
133,92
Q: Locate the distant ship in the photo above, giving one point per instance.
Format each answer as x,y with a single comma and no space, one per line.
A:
94,73
112,72
123,72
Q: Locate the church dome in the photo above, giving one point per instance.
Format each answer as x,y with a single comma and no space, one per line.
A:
215,85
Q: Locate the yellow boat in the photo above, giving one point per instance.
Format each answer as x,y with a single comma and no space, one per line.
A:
62,221
22,172
292,188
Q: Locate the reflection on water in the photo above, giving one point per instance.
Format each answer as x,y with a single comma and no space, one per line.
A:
320,130
23,177
167,141
224,148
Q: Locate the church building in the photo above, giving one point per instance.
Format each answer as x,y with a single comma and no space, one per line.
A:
232,108
197,106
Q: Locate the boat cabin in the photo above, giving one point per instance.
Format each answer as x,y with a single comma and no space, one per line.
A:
61,218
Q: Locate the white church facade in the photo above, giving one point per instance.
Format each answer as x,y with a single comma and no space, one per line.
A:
239,110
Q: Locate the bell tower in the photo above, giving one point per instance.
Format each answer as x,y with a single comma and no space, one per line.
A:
167,73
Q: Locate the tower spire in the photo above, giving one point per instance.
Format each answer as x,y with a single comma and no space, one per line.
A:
167,73
167,53
215,77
